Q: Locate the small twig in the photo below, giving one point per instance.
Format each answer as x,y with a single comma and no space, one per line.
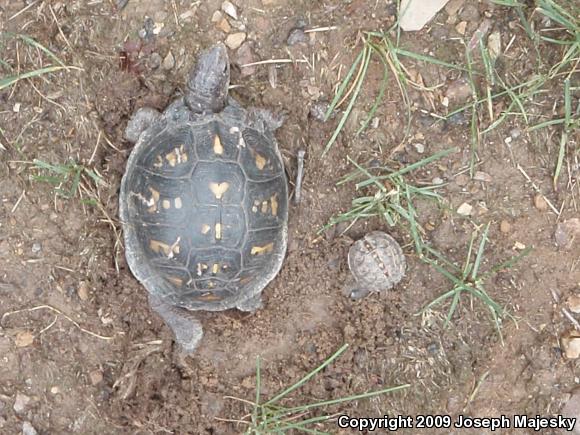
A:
21,11
18,202
299,176
48,307
321,29
270,61
96,146
538,191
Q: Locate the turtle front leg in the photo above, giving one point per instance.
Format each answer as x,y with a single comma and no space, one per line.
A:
185,326
139,122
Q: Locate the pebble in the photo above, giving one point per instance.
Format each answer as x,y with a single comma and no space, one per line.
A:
230,9
297,36
458,91
515,133
169,61
519,246
437,181
36,248
505,227
494,44
244,56
217,17
317,111
21,402
461,27
28,429
224,25
465,209
540,202
234,40
83,291
23,339
154,61
570,342
419,147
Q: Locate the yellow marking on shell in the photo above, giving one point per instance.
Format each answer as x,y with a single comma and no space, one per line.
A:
259,250
215,268
166,204
217,145
210,296
155,198
274,202
198,270
177,156
218,189
211,284
158,162
175,280
254,209
205,228
260,161
160,247
177,202
264,206
218,231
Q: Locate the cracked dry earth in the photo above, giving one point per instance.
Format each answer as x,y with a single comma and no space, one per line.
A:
82,352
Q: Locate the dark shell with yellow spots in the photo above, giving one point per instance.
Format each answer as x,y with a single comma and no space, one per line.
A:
204,206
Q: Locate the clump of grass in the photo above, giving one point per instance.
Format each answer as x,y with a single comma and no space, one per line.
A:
12,79
66,178
275,416
468,279
390,192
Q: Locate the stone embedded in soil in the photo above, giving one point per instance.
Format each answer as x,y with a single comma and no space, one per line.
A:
494,45
224,25
570,342
568,233
28,429
505,227
234,40
168,62
24,339
465,209
458,91
417,13
460,27
573,303
230,9
540,202
297,36
217,17
317,110
21,402
83,291
244,56
419,147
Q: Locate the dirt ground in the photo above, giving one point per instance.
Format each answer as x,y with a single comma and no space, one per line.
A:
80,349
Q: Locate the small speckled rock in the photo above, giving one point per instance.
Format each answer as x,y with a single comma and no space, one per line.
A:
377,264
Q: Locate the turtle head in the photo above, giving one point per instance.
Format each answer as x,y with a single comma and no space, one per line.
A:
207,86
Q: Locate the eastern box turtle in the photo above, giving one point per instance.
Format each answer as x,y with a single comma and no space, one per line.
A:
204,201
377,264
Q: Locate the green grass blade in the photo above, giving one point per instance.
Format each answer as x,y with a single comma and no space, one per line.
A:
9,81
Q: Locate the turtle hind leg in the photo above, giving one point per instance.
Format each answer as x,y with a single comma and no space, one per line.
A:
139,122
252,304
185,326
